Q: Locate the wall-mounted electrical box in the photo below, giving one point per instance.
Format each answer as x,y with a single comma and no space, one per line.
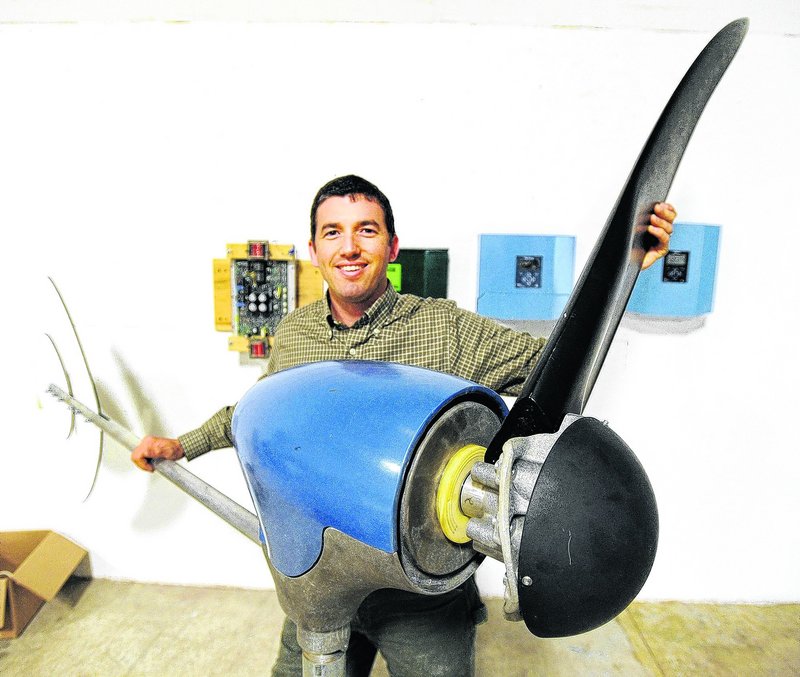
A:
255,287
682,283
525,277
420,271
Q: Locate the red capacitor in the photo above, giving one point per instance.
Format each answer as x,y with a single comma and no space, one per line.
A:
258,250
258,350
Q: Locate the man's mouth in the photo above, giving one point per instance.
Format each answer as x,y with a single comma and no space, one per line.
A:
351,268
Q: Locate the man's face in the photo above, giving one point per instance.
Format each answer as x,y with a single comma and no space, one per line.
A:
352,249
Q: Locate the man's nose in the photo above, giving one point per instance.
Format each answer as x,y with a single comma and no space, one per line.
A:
349,245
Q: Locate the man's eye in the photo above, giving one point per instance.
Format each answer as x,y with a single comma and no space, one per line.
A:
328,234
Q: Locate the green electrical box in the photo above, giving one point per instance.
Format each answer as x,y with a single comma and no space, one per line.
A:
420,271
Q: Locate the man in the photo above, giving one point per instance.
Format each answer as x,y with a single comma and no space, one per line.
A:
352,242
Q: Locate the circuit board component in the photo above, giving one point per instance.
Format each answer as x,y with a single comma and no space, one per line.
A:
255,287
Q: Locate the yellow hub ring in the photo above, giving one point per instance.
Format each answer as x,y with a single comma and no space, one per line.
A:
448,494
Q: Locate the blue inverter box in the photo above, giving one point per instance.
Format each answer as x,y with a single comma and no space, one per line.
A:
682,283
525,277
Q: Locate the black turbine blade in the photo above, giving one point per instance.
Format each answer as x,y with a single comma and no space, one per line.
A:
571,360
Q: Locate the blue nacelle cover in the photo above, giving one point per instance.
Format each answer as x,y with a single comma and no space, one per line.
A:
327,444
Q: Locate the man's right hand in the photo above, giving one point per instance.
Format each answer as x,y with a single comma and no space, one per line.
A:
156,447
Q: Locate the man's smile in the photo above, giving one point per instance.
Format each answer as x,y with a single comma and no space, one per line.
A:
351,269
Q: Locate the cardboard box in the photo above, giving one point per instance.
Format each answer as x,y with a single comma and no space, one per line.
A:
34,565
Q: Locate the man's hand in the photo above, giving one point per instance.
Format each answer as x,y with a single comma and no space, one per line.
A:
660,227
156,447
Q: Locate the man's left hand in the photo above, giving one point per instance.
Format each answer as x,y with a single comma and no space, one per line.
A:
660,227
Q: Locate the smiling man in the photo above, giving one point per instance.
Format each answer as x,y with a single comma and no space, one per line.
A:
353,240
352,246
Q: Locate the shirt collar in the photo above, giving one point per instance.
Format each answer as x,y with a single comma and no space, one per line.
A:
376,314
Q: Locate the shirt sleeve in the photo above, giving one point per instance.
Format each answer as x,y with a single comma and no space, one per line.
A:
215,433
493,355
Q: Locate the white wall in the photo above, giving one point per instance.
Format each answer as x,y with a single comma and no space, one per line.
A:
131,152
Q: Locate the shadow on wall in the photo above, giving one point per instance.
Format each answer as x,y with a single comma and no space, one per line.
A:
646,324
162,503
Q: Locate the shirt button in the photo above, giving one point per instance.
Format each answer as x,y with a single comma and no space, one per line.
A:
376,332
352,351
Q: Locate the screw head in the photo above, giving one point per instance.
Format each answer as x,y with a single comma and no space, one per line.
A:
527,581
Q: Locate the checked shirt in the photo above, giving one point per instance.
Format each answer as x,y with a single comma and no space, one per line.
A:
425,332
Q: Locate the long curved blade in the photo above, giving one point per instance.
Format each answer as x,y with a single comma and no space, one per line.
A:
91,380
69,384
571,360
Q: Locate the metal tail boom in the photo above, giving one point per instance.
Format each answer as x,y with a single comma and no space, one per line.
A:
234,514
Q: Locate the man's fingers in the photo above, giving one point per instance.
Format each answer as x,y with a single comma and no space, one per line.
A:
143,452
650,258
661,233
658,222
156,447
660,227
142,462
666,211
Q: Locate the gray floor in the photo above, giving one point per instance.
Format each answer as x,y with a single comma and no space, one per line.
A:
114,628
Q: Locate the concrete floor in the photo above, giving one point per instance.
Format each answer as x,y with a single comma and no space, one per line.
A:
112,628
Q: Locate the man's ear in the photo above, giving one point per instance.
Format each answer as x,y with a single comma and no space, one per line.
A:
394,248
312,252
